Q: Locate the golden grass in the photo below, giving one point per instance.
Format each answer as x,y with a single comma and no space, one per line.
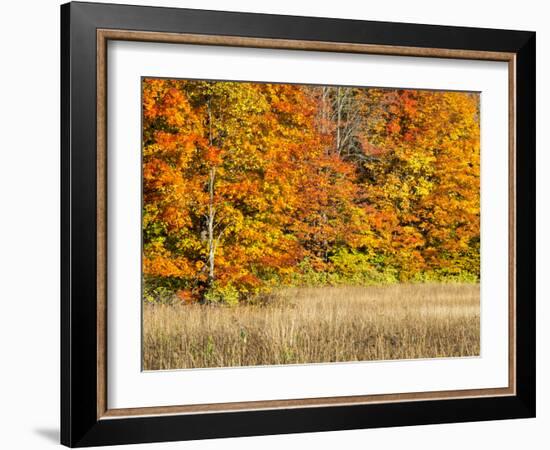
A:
312,325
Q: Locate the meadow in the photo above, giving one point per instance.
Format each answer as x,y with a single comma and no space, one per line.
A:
316,325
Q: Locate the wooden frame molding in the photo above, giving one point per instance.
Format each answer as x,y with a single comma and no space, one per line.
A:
289,44
103,36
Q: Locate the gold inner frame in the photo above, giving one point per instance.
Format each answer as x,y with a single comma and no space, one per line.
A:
103,36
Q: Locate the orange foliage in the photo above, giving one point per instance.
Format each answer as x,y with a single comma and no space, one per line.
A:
244,183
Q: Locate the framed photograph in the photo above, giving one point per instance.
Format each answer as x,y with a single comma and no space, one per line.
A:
277,224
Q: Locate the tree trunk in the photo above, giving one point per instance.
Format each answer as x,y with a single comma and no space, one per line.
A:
210,224
338,119
211,216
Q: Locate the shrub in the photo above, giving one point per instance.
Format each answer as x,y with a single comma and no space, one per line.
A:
227,294
351,267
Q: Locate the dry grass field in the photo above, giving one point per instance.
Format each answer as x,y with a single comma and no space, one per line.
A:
312,325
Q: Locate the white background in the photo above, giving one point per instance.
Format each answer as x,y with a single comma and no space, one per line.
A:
128,387
29,183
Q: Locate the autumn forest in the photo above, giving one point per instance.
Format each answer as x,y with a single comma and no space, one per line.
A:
259,194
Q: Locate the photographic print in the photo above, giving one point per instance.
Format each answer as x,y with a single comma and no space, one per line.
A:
299,224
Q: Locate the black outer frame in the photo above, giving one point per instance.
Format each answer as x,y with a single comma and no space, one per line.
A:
79,423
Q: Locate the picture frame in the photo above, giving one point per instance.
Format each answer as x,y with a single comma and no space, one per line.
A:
86,419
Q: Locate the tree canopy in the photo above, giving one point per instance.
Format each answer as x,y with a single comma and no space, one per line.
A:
249,186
